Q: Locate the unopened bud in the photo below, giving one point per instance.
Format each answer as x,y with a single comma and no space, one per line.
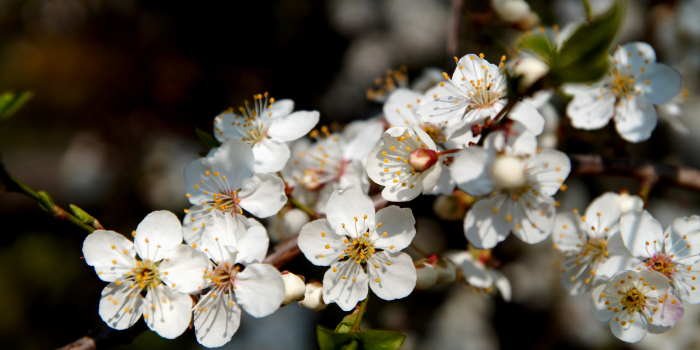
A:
530,69
629,203
294,287
426,276
422,159
313,297
508,172
511,10
288,224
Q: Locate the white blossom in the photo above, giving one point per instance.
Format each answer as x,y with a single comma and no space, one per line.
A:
224,182
267,125
361,248
675,252
477,274
237,279
590,243
519,181
627,94
634,303
407,163
476,93
151,276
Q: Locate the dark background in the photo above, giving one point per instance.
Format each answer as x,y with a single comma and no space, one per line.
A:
120,86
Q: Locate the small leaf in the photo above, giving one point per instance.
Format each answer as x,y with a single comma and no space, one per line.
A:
584,56
375,339
11,102
351,321
82,214
206,139
330,340
45,201
538,44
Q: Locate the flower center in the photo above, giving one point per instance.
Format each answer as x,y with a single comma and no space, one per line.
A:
596,249
312,179
508,172
633,300
422,159
227,201
254,134
622,85
224,275
145,274
482,94
359,249
661,263
254,129
434,131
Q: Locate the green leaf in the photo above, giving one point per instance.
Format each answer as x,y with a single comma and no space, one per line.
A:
374,339
584,56
330,340
82,214
538,44
206,139
11,102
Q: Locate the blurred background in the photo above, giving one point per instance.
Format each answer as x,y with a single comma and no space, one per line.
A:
120,86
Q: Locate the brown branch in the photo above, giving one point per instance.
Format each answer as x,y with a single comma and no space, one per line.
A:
648,173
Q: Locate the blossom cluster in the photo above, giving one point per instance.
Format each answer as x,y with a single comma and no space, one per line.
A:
467,135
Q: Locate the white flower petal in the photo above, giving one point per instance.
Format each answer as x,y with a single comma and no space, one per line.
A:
280,108
157,235
547,171
252,242
184,270
167,312
233,160
633,56
533,218
216,319
470,171
399,108
603,215
484,225
263,195
566,234
628,327
525,113
474,272
360,138
635,119
659,83
259,289
392,275
270,156
667,314
685,229
687,283
120,305
319,242
591,109
110,253
292,126
602,310
350,212
345,283
614,265
398,227
641,234
502,284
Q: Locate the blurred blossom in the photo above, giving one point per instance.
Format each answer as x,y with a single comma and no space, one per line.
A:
353,17
688,23
462,323
162,182
286,224
417,29
684,335
84,170
429,235
537,260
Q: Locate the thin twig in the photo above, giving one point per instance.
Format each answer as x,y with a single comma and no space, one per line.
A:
648,173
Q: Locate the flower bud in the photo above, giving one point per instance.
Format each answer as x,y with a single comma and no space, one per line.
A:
426,276
422,159
446,272
511,10
508,172
629,202
294,287
288,224
313,297
530,69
